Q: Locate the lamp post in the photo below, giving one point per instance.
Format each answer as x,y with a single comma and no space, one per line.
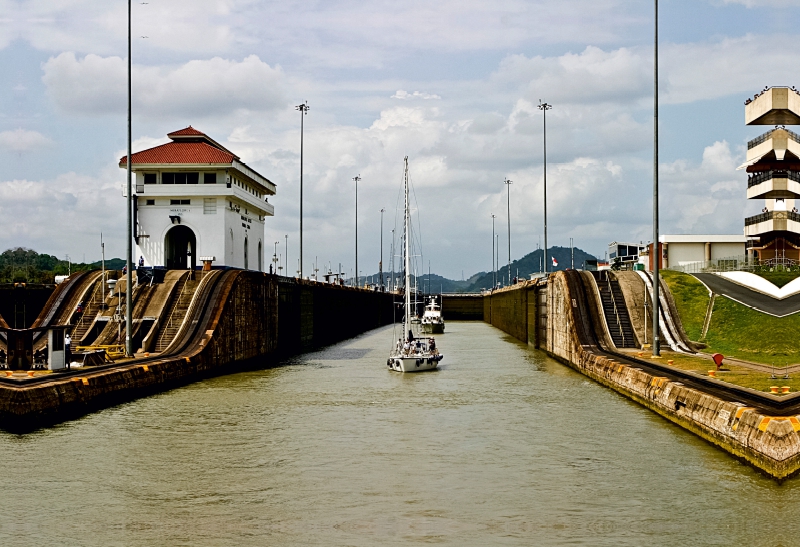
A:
287,250
129,233
303,108
656,254
275,258
494,277
544,107
356,179
508,185
380,264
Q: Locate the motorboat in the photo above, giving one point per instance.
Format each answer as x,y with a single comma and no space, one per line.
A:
432,320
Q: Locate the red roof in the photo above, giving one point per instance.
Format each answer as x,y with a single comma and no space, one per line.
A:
187,132
180,152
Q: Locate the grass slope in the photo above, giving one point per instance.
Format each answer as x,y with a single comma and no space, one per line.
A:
779,278
735,330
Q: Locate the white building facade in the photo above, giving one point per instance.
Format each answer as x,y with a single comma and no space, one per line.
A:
196,204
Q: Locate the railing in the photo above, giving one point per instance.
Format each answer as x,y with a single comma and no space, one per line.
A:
740,263
616,312
768,135
764,176
772,215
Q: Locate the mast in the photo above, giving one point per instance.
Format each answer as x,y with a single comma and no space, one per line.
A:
407,264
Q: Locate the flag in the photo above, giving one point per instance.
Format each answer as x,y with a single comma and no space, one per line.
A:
555,264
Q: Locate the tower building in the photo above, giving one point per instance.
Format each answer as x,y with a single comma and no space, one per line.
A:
773,168
196,202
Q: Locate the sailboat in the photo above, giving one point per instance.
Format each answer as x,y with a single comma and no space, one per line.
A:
411,353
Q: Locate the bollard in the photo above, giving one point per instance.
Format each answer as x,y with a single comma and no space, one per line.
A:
774,389
670,361
712,373
785,389
30,373
9,373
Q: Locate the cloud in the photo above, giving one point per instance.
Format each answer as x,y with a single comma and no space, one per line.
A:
23,140
70,210
763,3
405,95
97,85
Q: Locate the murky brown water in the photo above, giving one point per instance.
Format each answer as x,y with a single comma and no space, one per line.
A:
502,446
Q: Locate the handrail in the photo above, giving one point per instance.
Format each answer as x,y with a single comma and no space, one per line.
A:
616,312
763,176
766,136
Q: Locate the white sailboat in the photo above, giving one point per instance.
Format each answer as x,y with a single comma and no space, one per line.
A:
432,320
411,353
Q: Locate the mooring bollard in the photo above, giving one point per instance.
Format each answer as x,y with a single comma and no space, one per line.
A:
712,373
774,389
785,389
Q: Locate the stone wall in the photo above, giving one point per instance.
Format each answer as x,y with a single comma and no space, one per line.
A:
507,309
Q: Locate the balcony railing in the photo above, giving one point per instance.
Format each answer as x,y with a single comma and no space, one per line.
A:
766,136
772,215
764,176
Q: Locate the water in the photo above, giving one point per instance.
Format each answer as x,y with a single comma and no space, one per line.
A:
502,446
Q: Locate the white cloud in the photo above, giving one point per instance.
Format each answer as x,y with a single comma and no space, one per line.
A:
763,3
70,211
97,85
405,95
23,140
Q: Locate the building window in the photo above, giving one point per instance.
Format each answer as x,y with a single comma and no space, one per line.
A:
210,206
180,178
150,202
209,178
149,178
180,202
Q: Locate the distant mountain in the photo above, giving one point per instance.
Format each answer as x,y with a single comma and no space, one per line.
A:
532,263
524,267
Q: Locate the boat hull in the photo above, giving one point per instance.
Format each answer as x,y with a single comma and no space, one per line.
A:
433,328
413,363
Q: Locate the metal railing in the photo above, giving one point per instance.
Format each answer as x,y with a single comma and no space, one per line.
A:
616,312
766,136
764,176
772,215
740,263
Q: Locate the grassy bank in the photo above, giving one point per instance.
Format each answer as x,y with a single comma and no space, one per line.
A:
735,330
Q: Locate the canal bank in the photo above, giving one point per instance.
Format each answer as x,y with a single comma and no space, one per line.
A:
502,446
562,317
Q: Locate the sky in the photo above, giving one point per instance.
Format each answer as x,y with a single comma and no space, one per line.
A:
451,84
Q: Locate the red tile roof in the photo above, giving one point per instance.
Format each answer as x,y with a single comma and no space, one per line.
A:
186,132
180,152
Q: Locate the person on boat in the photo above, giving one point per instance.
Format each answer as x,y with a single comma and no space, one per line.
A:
406,348
141,261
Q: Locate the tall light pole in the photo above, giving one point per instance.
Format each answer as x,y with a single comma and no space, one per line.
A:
380,264
508,185
544,107
303,108
287,252
129,233
494,276
275,258
656,254
356,179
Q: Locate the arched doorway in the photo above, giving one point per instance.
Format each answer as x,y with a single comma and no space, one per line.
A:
246,266
180,245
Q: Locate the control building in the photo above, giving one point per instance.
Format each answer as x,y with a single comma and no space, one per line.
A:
773,168
197,204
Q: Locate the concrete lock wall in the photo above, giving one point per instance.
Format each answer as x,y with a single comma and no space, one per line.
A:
462,307
241,325
769,443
